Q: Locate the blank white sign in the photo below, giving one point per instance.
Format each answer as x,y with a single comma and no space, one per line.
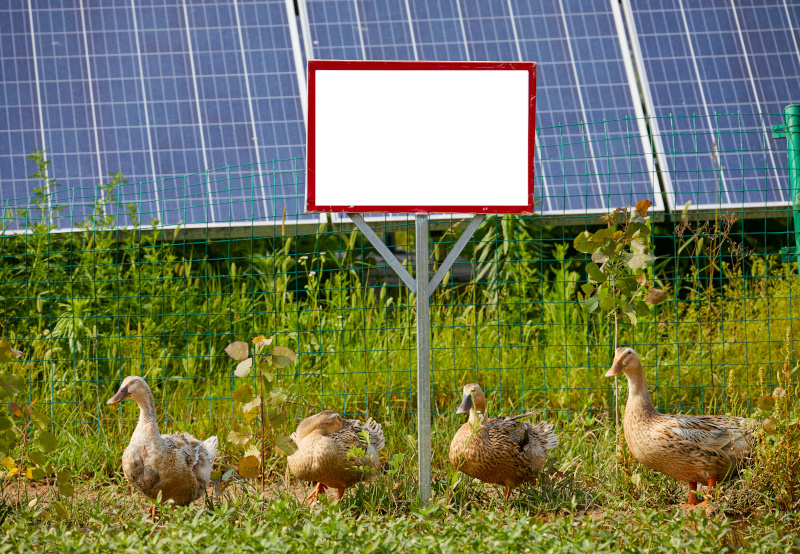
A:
426,140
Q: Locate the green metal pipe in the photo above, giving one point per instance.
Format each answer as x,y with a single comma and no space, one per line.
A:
791,117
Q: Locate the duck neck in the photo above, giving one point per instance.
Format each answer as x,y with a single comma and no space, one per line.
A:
147,415
638,396
476,417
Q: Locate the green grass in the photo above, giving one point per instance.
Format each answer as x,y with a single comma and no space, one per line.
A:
594,506
91,307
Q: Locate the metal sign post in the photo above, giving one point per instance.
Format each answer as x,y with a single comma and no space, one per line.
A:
423,288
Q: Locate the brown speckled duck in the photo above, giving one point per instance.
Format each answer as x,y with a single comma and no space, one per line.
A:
499,450
325,443
696,449
177,466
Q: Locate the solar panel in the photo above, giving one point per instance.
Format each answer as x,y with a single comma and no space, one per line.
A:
163,93
708,71
582,76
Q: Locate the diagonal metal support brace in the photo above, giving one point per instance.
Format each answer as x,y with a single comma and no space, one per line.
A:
426,286
457,248
384,251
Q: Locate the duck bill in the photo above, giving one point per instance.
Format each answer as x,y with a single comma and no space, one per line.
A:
121,395
466,405
615,370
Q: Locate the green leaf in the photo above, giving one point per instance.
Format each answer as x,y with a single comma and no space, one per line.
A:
227,475
63,476
243,394
238,350
251,409
243,368
6,423
640,228
599,257
268,374
640,246
278,396
10,384
47,441
766,403
36,474
641,309
248,467
769,427
39,419
66,489
285,445
276,419
240,434
282,356
36,458
640,261
267,382
603,235
61,510
8,354
627,285
632,316
655,296
594,273
583,243
587,288
591,304
606,303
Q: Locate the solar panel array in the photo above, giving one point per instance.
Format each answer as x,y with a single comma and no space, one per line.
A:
165,91
700,60
581,77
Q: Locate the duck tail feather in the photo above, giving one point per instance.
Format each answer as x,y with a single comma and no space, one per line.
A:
211,445
376,437
546,434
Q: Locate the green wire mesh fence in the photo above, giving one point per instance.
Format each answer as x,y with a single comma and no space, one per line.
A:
99,284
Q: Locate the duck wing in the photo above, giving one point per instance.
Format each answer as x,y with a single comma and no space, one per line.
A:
727,436
508,430
197,455
522,434
373,429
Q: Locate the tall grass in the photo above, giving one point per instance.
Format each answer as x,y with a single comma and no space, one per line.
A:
92,306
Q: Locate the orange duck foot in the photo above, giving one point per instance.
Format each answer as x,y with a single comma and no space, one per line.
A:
312,498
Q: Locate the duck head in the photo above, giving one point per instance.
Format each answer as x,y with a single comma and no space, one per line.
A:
132,387
323,423
473,402
625,360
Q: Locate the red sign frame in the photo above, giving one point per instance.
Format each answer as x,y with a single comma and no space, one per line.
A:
318,65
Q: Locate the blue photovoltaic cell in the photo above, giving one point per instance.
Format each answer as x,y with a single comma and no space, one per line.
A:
705,60
19,129
164,92
580,77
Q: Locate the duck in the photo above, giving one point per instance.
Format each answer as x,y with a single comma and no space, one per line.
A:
696,449
177,466
499,450
325,447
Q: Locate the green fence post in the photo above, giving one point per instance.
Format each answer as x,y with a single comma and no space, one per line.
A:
790,130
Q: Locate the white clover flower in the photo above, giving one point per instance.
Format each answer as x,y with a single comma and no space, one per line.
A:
312,273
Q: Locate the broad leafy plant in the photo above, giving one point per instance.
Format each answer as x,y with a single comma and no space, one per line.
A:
262,407
26,439
618,286
776,457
